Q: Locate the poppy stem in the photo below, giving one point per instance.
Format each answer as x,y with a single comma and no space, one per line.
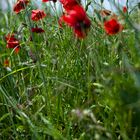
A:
36,51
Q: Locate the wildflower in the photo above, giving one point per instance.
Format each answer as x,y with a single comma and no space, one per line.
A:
124,9
69,4
20,5
6,63
12,42
78,20
112,26
37,30
37,14
49,0
105,13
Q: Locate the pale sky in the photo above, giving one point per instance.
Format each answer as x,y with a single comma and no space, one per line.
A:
107,3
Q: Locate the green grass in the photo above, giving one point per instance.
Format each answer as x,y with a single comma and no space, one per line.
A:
59,87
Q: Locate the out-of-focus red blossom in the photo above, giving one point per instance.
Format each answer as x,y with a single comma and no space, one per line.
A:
37,30
124,9
12,42
112,27
69,4
6,63
20,5
49,0
78,20
37,15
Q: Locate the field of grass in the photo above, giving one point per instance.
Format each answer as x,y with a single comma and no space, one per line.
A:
64,88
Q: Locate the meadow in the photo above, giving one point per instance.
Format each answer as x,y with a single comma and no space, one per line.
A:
69,76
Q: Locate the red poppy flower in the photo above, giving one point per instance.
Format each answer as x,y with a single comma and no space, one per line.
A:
78,20
37,30
20,5
112,27
124,9
12,42
49,0
37,14
69,4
